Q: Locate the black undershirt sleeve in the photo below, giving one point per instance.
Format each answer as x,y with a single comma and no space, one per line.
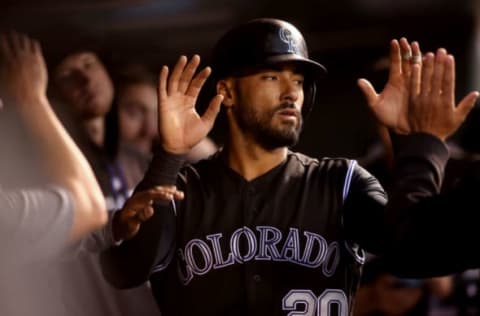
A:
129,264
420,232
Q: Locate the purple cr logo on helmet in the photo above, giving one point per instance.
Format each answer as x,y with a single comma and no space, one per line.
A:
261,43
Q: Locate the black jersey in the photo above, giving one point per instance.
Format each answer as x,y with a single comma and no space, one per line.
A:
263,247
290,241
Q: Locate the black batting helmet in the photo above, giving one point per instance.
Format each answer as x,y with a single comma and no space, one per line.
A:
266,42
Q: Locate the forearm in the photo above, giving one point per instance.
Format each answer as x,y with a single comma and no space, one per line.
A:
67,165
384,223
442,235
417,176
163,170
129,264
428,233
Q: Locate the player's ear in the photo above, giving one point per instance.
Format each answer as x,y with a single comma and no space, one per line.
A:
225,88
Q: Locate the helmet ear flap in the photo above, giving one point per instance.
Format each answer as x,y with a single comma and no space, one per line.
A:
310,91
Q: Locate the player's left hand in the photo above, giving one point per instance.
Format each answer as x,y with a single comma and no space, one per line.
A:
138,209
391,105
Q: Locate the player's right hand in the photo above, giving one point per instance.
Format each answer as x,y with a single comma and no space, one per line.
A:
138,209
180,126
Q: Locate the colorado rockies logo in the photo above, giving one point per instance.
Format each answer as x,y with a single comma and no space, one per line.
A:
287,37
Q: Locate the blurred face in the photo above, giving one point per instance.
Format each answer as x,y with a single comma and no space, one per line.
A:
267,105
84,84
395,299
137,114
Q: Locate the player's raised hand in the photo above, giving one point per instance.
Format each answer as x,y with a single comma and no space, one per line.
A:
138,209
432,106
391,105
23,73
180,126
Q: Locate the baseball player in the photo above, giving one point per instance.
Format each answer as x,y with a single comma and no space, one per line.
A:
263,230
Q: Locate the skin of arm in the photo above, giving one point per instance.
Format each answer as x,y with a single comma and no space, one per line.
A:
23,84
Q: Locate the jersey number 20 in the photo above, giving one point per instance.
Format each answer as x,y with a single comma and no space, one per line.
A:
304,302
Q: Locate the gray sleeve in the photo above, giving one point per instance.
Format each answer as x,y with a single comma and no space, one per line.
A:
98,240
34,223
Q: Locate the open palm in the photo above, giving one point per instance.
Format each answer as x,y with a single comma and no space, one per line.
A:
391,105
180,126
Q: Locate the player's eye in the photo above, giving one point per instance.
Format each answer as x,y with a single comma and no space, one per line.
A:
298,82
269,77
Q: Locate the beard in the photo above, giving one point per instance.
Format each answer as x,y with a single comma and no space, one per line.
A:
260,125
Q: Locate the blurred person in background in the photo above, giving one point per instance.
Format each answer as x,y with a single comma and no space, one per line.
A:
39,222
83,92
383,294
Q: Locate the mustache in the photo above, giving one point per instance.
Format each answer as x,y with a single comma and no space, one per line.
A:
287,106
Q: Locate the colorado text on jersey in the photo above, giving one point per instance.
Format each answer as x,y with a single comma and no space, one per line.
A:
199,256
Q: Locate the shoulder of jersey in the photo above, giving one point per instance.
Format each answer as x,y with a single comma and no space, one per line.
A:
307,160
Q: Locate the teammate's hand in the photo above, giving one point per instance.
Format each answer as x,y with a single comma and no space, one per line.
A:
391,105
180,126
420,93
432,97
138,209
23,73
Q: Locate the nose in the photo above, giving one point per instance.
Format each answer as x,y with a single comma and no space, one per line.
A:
290,91
81,78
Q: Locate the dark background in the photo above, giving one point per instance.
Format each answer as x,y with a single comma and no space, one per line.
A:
347,36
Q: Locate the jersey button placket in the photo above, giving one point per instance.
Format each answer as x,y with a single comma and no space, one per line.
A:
250,210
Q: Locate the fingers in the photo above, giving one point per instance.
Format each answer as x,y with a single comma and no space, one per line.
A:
188,73
438,72
416,53
406,53
145,214
395,59
182,78
15,43
448,81
162,83
197,82
20,41
35,47
176,74
145,198
5,49
415,80
368,91
427,73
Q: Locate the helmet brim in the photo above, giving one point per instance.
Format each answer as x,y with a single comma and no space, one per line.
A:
312,68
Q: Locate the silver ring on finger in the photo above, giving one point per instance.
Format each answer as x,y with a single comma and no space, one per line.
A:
416,59
407,56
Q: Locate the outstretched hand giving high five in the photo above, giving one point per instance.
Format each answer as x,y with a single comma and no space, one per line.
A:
180,126
420,93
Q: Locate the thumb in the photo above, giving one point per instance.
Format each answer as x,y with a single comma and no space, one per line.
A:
213,109
467,104
368,91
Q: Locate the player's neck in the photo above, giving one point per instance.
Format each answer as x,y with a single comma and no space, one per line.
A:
251,160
